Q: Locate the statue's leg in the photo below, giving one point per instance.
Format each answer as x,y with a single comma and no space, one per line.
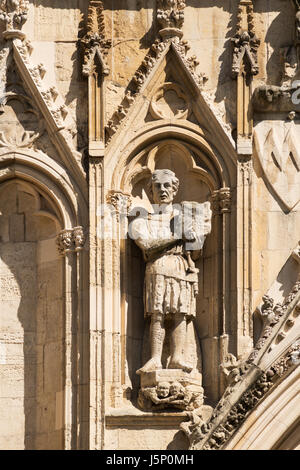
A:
157,336
178,339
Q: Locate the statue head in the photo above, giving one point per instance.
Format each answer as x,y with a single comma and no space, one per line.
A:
176,389
163,389
163,186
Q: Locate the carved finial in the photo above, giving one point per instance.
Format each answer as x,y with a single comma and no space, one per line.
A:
170,16
94,41
14,14
245,41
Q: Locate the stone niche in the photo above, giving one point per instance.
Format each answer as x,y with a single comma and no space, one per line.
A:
199,182
31,329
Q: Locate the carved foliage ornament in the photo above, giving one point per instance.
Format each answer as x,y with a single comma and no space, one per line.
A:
170,16
225,421
209,437
94,41
13,13
271,315
120,201
252,397
22,131
37,74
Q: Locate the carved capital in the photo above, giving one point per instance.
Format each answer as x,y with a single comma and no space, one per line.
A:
246,168
221,201
170,17
64,241
78,238
70,240
13,13
120,201
94,41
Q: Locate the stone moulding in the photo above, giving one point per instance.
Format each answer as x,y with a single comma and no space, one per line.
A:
148,67
250,381
57,118
170,17
251,398
128,418
59,123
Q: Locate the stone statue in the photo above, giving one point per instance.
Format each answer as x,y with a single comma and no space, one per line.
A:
171,239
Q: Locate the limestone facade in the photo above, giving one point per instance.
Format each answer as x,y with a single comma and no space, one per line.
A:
94,97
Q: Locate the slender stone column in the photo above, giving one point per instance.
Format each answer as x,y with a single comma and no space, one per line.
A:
70,243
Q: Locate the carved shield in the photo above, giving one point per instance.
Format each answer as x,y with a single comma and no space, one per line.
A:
278,151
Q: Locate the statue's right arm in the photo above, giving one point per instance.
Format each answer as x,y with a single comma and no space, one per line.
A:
140,234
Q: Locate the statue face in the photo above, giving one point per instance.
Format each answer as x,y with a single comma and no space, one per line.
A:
162,390
175,389
162,189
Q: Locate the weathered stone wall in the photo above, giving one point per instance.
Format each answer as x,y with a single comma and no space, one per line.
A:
31,330
254,231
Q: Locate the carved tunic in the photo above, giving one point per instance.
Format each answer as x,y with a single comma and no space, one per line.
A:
169,287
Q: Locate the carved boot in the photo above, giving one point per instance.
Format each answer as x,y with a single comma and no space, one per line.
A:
178,339
157,335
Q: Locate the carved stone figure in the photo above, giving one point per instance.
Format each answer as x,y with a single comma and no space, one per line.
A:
171,395
170,240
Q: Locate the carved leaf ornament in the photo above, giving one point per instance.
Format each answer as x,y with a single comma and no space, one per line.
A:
21,122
